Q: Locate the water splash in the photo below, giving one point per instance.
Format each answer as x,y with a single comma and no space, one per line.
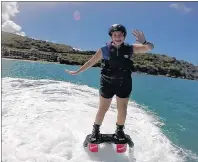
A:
41,123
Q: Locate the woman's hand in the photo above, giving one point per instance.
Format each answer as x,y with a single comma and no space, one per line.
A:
144,46
71,72
88,64
139,36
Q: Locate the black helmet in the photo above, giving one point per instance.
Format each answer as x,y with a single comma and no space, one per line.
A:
117,27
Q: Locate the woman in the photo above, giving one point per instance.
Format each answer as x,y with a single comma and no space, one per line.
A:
115,75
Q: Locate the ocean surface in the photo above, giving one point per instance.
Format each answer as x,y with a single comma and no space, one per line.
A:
47,113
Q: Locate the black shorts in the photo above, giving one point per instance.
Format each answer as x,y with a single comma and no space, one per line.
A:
121,87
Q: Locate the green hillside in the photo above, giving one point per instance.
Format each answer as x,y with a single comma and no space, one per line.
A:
38,50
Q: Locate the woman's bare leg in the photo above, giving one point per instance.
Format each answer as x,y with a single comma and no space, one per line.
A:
122,104
103,107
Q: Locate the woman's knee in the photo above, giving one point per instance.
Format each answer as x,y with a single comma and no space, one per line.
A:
122,104
102,110
104,104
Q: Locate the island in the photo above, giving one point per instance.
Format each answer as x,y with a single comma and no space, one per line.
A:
24,48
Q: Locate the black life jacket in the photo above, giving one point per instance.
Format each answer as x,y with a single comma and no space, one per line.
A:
117,60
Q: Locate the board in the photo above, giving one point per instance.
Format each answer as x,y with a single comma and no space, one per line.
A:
121,146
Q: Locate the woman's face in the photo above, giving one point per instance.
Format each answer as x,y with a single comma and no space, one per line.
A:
118,37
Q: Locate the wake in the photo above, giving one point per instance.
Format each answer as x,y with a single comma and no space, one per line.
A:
45,120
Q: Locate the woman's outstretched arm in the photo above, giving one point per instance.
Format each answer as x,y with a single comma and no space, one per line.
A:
97,57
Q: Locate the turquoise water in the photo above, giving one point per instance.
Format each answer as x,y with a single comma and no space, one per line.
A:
173,101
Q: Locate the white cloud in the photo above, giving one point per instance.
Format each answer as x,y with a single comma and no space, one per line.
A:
181,7
9,10
11,27
77,49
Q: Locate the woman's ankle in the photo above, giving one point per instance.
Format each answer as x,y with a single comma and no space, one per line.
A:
97,124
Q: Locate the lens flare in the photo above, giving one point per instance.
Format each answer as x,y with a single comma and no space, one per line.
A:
77,15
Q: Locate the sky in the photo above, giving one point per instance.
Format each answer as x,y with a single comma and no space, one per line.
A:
170,26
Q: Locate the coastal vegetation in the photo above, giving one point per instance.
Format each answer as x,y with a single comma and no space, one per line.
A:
19,47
